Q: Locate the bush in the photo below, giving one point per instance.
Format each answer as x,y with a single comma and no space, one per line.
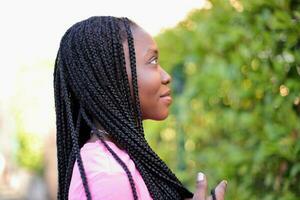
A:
235,71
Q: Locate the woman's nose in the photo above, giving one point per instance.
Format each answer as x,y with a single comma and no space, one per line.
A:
166,78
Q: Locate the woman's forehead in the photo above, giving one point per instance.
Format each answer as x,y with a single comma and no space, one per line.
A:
143,42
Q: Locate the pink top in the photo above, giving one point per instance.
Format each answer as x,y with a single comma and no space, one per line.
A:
107,180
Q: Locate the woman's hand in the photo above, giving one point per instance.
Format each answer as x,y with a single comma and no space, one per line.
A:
201,189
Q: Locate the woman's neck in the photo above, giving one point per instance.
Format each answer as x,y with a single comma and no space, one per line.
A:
94,137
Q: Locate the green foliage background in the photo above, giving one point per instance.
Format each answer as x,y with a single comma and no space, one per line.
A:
236,109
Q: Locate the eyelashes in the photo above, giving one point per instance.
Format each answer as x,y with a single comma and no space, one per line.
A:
156,59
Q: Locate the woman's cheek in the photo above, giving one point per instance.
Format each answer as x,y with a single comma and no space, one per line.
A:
149,82
149,85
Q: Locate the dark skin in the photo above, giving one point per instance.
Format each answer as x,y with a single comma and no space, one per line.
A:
153,82
152,79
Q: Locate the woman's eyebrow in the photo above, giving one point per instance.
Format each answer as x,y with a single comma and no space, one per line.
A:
153,51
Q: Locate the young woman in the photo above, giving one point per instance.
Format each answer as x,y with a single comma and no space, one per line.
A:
106,81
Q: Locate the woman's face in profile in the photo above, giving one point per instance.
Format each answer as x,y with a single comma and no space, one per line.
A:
152,78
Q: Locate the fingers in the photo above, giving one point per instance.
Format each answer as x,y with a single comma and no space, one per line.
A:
201,187
220,190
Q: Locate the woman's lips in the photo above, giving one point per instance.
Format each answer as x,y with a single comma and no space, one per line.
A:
167,99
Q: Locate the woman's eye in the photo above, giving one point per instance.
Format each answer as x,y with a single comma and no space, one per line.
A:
156,60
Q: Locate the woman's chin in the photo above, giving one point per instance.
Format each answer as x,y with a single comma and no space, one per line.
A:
159,116
162,115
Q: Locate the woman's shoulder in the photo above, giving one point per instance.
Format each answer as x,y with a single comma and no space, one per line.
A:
96,157
104,173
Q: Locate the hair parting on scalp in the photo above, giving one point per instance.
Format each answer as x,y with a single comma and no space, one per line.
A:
90,82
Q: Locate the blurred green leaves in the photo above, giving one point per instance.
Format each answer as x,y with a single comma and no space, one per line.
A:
240,120
30,151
